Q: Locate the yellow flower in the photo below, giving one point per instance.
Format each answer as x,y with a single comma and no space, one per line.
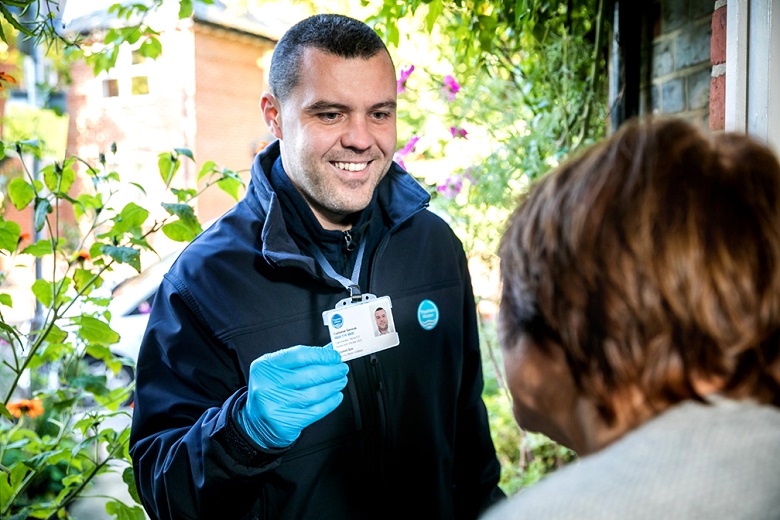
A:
31,407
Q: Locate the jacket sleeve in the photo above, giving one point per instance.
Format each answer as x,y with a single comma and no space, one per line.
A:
190,458
477,469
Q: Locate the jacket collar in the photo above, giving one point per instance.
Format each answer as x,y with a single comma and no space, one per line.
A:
398,195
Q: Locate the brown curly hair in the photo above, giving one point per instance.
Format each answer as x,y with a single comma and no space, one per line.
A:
653,261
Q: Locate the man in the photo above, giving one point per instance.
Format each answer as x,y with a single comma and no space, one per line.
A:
380,315
239,411
640,326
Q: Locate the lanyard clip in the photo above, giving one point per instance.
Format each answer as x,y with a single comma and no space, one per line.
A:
355,294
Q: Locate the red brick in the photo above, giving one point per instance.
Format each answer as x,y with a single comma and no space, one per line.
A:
718,43
718,103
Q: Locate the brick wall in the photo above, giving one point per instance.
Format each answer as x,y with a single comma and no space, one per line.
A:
718,60
681,70
230,80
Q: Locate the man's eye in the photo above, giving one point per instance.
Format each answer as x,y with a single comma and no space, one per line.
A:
381,115
329,116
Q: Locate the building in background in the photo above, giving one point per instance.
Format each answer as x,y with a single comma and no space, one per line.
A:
202,93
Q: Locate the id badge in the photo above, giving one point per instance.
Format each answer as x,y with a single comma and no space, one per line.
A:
363,327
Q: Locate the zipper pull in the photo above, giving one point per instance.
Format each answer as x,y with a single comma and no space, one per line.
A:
350,242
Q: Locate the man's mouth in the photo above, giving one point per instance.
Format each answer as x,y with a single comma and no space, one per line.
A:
350,167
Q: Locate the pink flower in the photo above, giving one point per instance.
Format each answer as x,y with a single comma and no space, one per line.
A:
408,148
450,87
458,132
450,187
405,73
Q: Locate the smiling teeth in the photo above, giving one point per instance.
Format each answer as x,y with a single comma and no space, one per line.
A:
350,167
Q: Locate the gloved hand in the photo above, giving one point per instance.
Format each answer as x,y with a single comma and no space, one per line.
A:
289,390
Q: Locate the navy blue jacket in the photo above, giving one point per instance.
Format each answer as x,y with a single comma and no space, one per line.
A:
411,438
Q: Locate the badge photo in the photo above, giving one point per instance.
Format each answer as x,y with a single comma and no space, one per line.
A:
360,328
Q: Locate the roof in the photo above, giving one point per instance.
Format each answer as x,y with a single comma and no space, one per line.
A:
85,17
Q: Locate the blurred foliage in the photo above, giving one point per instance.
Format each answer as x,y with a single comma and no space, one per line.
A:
54,438
57,415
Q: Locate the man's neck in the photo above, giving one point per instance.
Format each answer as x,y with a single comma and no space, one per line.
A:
334,222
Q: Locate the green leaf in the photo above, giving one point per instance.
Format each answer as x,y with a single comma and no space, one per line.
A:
56,335
128,477
94,330
42,208
58,180
435,9
393,34
32,146
168,164
185,9
180,231
39,249
20,192
6,299
5,413
183,211
43,291
86,202
231,186
124,255
123,512
96,250
72,480
10,232
143,190
10,18
82,277
185,152
151,48
131,218
208,167
184,195
131,34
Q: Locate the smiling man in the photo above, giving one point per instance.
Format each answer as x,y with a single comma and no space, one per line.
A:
244,407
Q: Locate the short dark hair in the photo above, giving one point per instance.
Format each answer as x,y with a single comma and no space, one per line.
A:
332,33
652,261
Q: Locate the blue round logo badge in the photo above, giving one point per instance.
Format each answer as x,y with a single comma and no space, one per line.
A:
427,314
337,321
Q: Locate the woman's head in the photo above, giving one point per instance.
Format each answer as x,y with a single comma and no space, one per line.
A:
649,266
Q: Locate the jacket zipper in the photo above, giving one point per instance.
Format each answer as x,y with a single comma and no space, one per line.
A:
350,242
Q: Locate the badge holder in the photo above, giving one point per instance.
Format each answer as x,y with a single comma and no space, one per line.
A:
361,324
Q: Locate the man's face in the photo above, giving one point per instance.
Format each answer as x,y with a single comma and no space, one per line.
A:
337,131
381,320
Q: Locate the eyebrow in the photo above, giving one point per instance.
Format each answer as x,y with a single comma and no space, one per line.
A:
320,106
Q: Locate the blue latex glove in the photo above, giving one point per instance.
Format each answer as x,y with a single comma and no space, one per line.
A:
289,390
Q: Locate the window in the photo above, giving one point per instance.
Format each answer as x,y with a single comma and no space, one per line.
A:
140,85
110,88
129,77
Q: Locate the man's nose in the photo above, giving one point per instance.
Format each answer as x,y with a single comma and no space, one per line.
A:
357,134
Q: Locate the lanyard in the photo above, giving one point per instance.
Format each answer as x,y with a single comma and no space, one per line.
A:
349,284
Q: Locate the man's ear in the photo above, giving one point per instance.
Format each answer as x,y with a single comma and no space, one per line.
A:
272,114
